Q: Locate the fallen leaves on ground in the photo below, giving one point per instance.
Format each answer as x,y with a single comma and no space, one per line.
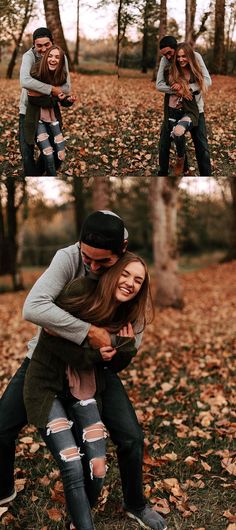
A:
183,388
113,128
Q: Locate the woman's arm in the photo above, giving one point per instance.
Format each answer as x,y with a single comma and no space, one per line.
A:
125,351
80,357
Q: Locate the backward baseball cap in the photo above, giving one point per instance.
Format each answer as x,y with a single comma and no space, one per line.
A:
104,229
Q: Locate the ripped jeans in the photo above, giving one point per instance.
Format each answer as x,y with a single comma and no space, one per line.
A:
179,124
61,442
51,144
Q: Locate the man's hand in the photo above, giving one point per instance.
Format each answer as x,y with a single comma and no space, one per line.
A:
98,337
126,331
176,87
107,352
56,90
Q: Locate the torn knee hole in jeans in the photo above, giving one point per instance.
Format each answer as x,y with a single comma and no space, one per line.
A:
94,432
58,138
48,151
98,467
61,154
58,425
42,136
70,453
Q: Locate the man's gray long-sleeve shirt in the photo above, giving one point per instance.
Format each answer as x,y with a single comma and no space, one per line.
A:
27,82
162,86
40,307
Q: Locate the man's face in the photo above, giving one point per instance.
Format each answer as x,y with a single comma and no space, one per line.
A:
42,44
168,53
97,260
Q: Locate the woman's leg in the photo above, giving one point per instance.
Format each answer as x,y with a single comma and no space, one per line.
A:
92,433
61,442
46,148
178,134
59,142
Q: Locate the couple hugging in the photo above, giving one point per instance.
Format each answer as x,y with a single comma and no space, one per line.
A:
45,82
92,304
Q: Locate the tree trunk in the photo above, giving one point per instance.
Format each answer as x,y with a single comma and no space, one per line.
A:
53,20
190,12
27,15
118,39
12,234
232,249
77,44
219,44
145,39
164,191
162,33
101,193
79,206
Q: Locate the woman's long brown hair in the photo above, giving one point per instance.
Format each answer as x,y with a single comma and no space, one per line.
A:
41,70
176,73
98,305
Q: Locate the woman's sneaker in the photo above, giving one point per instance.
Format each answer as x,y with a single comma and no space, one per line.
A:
147,518
5,500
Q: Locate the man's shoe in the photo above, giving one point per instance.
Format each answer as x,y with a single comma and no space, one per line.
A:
147,518
5,500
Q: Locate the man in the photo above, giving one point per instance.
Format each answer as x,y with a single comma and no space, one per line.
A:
42,40
103,241
168,45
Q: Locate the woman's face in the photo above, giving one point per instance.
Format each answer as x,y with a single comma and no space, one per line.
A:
53,59
130,281
182,58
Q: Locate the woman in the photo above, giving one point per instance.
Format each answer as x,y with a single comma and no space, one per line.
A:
187,80
43,118
119,301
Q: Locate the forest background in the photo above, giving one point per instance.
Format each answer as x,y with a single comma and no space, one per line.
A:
112,47
182,381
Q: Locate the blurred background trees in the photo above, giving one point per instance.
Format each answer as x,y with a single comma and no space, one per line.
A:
133,41
171,226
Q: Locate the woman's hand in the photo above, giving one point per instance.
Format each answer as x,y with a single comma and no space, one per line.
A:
61,95
34,93
126,331
176,87
71,98
107,352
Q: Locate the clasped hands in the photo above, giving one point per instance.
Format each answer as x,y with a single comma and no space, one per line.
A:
180,92
100,338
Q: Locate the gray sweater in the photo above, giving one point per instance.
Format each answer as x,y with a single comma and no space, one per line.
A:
40,307
29,83
163,87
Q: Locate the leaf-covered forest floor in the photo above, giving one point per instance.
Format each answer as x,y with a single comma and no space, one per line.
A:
182,386
113,128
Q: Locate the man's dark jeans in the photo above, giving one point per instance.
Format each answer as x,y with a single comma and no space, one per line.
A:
199,136
31,167
117,414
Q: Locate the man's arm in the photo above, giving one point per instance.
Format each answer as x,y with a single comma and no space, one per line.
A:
160,80
40,307
206,75
27,81
66,88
